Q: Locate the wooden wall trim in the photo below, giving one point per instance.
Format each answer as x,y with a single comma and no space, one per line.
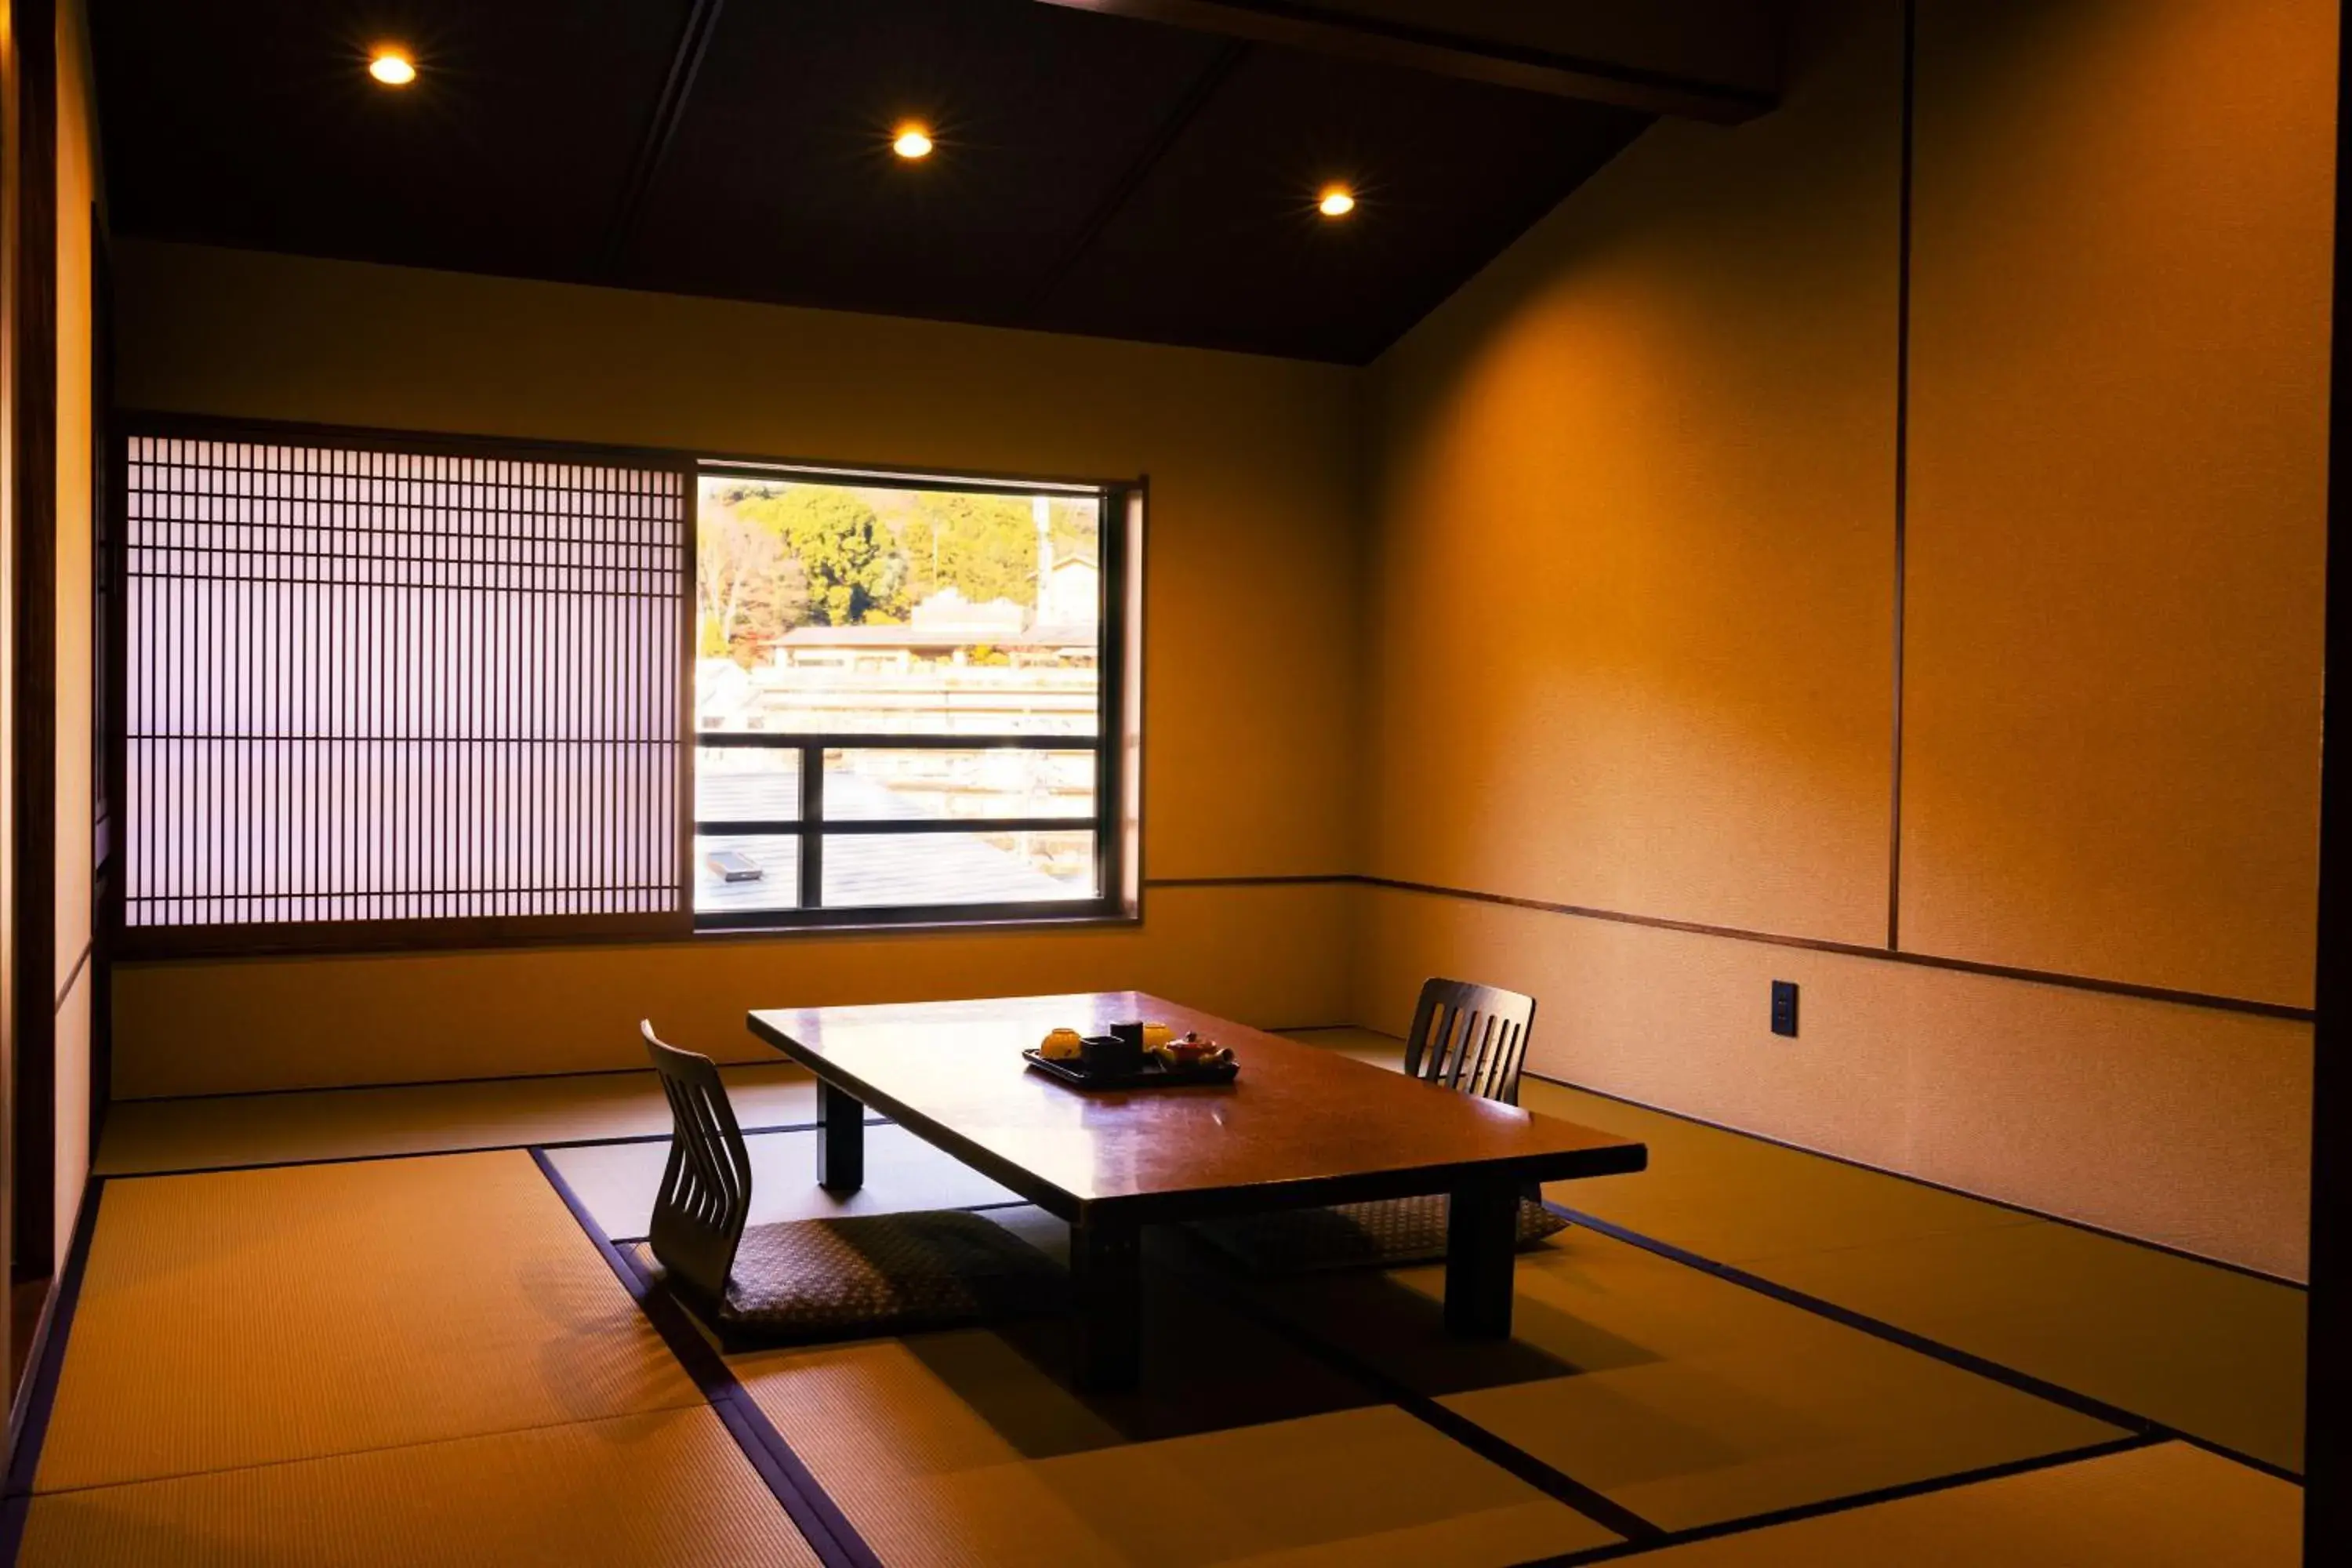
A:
1395,884
1852,949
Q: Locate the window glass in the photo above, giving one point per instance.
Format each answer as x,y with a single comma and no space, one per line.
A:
904,784
745,873
747,783
836,609
868,869
916,655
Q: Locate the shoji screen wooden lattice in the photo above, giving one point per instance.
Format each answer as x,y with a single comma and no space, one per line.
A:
404,693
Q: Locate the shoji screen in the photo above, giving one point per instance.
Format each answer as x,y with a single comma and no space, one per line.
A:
383,689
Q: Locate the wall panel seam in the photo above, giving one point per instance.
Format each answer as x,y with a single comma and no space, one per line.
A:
1901,468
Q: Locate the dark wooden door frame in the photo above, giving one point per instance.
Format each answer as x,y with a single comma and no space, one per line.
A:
107,687
2327,1460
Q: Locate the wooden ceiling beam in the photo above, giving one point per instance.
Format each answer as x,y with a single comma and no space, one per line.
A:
678,86
1715,61
1187,109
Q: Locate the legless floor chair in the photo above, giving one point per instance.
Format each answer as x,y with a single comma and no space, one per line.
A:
806,1281
1470,1039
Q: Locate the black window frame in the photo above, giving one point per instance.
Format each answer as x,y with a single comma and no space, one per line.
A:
1117,741
1112,823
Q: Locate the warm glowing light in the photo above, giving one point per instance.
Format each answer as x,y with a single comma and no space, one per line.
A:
392,67
913,141
1338,202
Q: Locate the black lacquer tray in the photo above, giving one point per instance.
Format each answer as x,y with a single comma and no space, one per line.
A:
1151,1075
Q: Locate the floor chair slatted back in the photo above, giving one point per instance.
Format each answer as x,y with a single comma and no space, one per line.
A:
1470,1038
705,1188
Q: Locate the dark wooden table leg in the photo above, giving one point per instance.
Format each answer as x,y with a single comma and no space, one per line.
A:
840,1140
1482,1230
1107,1286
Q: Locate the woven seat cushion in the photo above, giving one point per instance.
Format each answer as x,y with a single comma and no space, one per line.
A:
1387,1233
805,1280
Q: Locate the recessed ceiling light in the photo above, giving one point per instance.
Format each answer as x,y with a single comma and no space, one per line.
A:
391,66
1337,201
913,141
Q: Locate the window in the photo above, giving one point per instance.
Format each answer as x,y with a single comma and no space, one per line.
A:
380,689
906,699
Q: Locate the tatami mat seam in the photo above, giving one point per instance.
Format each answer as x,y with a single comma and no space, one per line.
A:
1911,1340
422,1083
1496,1450
1850,1503
1641,1534
813,1513
453,1149
333,1454
1684,1118
966,1208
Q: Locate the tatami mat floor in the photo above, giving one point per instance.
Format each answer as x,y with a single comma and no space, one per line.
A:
2208,1351
426,1359
667,1490
2170,1506
251,1316
974,1447
1683,1397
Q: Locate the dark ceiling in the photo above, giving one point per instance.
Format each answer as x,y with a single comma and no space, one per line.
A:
1094,174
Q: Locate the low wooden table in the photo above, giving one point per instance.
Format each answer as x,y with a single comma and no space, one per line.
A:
1301,1126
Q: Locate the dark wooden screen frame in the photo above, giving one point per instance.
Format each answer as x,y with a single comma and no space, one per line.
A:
135,943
